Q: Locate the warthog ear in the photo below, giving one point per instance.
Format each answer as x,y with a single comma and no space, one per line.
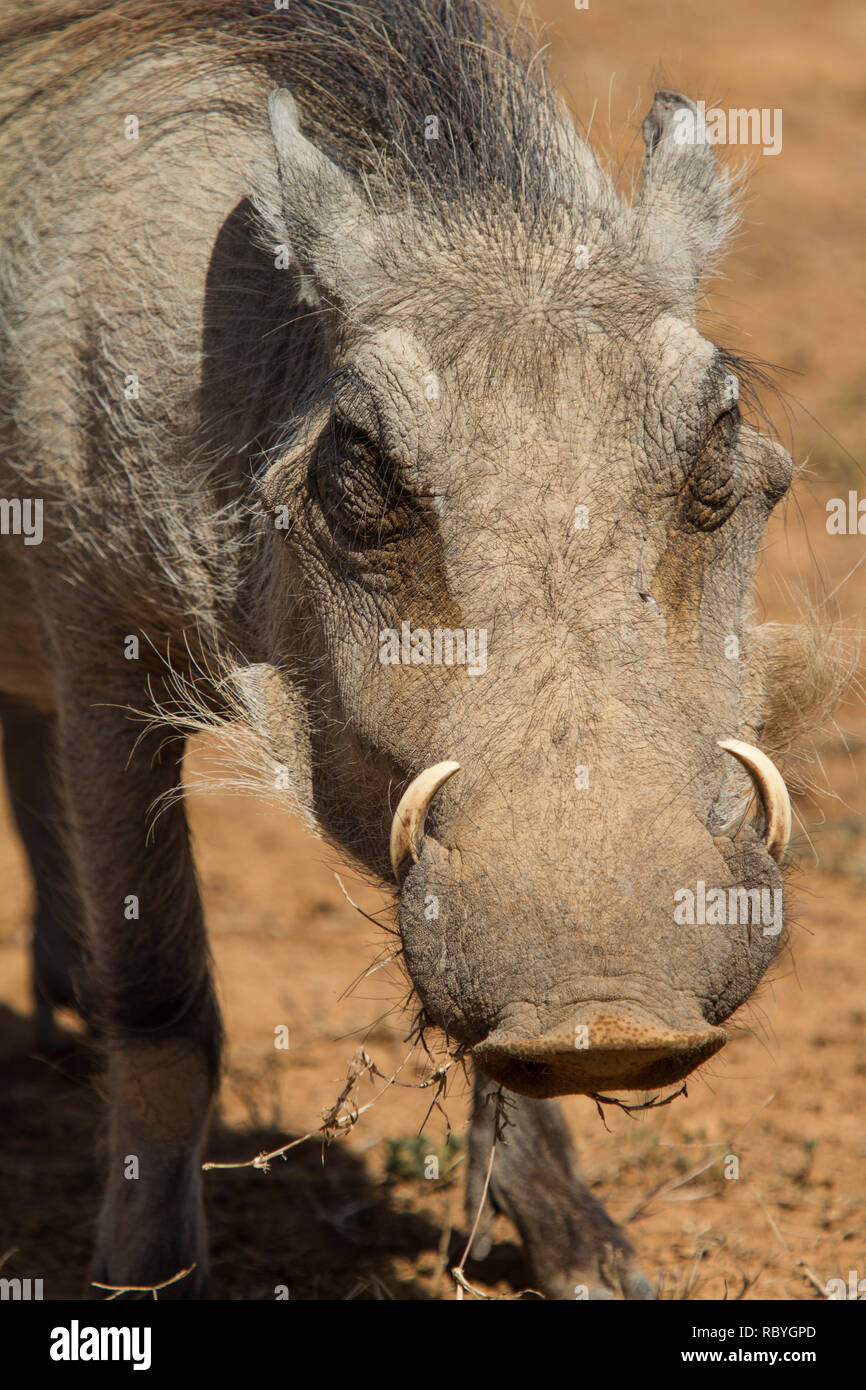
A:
330,229
575,150
684,209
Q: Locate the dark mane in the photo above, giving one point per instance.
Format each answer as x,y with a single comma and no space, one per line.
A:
367,75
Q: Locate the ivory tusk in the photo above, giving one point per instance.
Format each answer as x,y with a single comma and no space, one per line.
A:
770,786
407,827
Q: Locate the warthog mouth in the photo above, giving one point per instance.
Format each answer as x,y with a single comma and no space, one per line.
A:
612,1053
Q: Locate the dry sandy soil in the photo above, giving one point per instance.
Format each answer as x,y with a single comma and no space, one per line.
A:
787,1096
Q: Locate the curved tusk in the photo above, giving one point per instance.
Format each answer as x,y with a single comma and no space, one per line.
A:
407,827
770,786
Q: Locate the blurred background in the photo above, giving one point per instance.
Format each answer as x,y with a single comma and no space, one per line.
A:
787,1097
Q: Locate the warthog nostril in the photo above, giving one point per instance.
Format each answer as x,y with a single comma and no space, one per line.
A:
611,1052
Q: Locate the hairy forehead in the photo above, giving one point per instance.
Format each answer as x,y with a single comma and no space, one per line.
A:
538,363
504,309
578,368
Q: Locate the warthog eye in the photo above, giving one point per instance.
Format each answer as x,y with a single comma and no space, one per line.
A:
359,493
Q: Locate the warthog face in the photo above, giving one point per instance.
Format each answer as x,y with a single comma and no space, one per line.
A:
520,520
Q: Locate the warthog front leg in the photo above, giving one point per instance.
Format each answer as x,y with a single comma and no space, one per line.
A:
151,991
29,753
572,1246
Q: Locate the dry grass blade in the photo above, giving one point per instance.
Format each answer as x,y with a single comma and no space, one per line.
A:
152,1289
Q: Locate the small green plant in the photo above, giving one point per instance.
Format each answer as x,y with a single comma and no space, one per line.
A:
416,1158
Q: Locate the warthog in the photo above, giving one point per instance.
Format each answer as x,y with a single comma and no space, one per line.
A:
322,328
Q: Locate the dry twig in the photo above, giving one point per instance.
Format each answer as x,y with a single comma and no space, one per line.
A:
338,1119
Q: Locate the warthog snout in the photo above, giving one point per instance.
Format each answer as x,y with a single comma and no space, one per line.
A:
620,1052
513,957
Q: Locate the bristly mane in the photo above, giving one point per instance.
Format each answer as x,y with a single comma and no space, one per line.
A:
505,170
367,75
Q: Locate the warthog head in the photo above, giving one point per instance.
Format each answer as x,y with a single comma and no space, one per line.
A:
516,524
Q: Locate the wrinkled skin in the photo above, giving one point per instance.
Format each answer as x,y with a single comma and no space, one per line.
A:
563,902
434,402
606,651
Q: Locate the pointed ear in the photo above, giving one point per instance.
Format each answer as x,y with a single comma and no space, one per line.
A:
330,229
576,152
683,211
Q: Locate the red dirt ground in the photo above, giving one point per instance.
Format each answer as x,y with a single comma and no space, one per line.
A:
787,1094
